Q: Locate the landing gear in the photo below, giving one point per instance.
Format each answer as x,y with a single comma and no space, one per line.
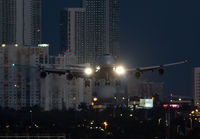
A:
87,83
107,83
97,83
117,82
43,74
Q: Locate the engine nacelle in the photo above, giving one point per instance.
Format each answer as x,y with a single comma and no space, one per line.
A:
161,71
70,76
137,74
43,74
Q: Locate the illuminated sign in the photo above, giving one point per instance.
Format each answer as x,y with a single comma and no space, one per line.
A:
146,103
171,105
43,45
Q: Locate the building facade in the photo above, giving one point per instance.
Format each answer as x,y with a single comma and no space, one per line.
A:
20,22
144,89
102,28
19,85
72,32
196,86
92,30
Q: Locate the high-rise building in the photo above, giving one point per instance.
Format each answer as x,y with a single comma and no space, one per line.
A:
72,30
197,86
59,93
91,31
102,28
144,89
20,22
20,85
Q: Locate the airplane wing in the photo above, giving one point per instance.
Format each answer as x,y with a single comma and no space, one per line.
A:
160,68
72,70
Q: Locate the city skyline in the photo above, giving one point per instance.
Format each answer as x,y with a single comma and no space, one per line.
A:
99,69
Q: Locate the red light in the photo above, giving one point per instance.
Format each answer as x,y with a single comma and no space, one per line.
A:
165,105
171,105
67,50
174,105
171,95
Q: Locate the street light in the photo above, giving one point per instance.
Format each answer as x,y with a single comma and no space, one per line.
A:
95,99
105,124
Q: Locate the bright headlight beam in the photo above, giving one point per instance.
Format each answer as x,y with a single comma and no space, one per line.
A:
88,71
120,70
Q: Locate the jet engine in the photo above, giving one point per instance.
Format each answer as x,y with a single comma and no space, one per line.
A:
43,74
161,71
70,76
137,74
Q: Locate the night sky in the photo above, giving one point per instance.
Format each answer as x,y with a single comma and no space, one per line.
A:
153,32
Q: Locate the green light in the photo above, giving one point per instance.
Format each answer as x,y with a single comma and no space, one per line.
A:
13,65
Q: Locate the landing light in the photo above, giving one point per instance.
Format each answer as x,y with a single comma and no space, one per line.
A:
120,70
88,71
98,68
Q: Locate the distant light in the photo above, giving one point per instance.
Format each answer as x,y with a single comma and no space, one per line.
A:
131,115
171,95
121,115
43,45
95,99
88,71
159,120
92,103
16,45
192,112
123,98
179,99
7,126
105,124
174,106
13,64
92,123
115,98
197,110
67,50
171,105
165,105
120,70
15,85
3,45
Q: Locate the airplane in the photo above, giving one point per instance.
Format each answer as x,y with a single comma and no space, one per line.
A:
105,68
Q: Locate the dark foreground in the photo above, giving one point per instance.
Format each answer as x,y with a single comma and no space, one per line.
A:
88,123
